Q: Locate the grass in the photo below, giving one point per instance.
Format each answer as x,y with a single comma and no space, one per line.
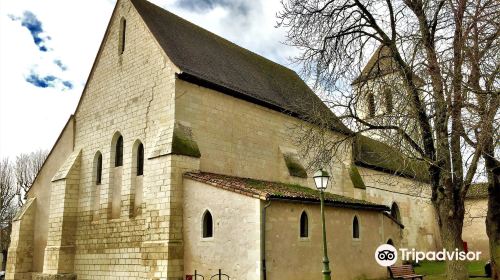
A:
437,270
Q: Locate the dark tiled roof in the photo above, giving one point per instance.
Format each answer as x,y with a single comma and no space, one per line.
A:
373,154
478,190
266,190
210,60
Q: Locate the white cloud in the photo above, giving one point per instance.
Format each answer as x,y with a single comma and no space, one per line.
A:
32,117
254,30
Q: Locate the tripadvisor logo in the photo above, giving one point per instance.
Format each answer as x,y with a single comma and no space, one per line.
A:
387,255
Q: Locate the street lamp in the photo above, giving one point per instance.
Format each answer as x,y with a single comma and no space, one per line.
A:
321,178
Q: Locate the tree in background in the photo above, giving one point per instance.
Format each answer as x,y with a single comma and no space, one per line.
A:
8,203
439,58
26,168
482,54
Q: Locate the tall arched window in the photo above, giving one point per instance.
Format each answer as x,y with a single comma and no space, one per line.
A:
98,169
395,212
355,228
208,225
140,160
119,152
96,189
304,225
123,29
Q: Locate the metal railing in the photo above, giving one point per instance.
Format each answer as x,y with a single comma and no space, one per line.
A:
218,276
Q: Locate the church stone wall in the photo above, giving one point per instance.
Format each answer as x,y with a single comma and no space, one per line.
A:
239,138
285,249
130,94
235,245
474,232
137,95
413,200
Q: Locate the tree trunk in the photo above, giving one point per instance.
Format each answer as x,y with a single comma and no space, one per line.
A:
493,215
450,221
495,253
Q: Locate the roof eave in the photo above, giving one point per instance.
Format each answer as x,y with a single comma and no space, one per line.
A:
336,204
200,81
394,220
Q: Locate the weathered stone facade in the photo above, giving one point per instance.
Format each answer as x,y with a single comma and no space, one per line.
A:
128,225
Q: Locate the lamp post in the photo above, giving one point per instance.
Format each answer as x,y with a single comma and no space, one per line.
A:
321,178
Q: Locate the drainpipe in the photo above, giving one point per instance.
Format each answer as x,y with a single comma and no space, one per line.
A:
263,241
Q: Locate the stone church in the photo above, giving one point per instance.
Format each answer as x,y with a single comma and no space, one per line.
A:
180,158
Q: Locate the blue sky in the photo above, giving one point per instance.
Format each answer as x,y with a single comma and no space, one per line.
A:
47,49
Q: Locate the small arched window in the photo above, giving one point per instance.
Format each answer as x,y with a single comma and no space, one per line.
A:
395,212
208,225
388,100
123,29
390,242
119,152
140,160
355,228
371,103
98,169
304,225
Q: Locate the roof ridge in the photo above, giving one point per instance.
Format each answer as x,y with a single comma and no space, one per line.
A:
214,34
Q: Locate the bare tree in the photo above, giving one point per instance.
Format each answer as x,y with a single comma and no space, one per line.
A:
440,58
481,53
8,202
26,169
